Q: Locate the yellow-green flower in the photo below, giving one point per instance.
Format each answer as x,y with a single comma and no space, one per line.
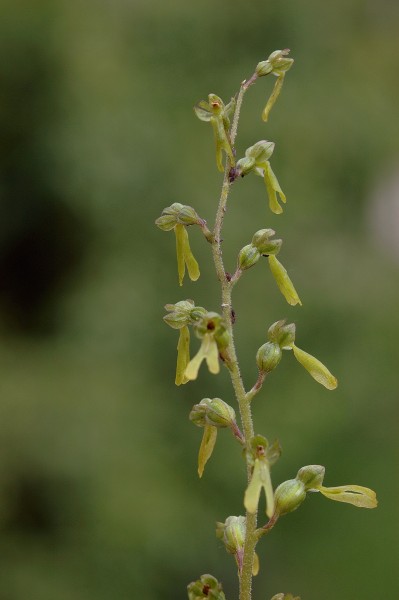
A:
215,112
256,160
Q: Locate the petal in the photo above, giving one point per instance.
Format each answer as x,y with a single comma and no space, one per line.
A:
351,494
252,493
193,366
203,111
211,354
318,371
207,445
183,356
271,192
180,232
191,263
283,281
264,473
276,185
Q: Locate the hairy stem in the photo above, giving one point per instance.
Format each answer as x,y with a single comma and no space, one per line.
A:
233,365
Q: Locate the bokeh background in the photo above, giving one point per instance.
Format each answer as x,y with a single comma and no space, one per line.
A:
99,496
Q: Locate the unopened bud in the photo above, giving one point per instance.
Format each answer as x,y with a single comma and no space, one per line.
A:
268,357
248,257
288,496
232,533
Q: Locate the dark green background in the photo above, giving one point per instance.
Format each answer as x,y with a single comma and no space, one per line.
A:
99,496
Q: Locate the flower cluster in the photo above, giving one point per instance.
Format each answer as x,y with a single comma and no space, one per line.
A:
281,336
256,161
262,245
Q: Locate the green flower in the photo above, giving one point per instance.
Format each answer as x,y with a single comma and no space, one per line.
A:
178,217
179,316
277,64
214,337
215,112
256,160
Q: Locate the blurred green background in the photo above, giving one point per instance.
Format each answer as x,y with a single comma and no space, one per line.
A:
99,496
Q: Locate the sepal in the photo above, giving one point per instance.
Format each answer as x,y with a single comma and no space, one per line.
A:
282,334
261,240
214,412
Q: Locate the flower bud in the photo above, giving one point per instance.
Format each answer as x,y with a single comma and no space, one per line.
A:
214,412
205,588
311,476
268,357
248,257
282,334
283,596
232,533
288,496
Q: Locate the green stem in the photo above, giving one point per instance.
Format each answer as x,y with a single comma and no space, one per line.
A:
233,365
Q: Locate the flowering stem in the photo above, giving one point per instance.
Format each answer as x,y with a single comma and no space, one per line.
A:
227,285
